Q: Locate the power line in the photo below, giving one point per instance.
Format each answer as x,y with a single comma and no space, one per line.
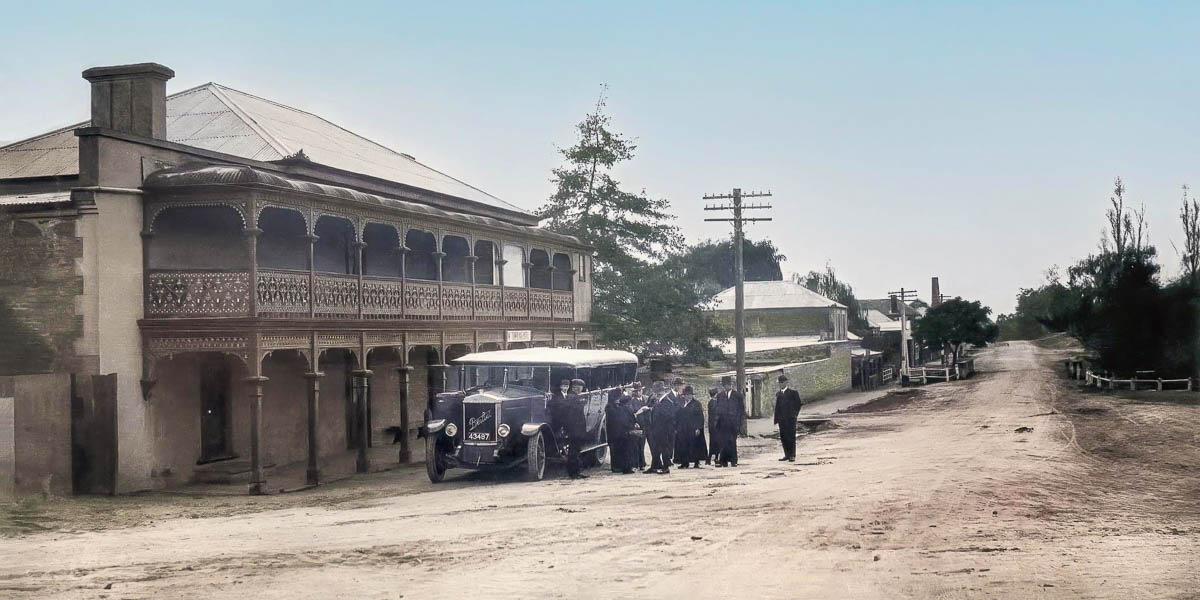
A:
739,326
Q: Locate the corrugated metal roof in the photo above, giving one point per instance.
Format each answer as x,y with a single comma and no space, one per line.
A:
773,294
221,119
46,198
199,174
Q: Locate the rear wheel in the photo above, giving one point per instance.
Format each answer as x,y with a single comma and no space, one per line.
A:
435,461
535,457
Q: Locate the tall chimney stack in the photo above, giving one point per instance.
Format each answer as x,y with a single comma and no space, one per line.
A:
937,294
130,98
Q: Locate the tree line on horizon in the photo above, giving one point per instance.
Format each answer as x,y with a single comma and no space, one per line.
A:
1116,300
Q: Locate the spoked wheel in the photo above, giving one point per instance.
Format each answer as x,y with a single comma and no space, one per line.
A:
435,461
535,457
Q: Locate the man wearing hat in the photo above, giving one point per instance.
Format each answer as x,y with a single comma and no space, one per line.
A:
662,430
637,402
787,407
568,421
731,408
690,447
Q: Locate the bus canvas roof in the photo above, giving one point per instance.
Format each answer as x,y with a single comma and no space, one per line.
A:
555,357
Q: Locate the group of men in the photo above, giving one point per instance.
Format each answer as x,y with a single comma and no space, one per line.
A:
671,422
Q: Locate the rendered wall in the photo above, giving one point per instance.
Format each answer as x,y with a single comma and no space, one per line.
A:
38,290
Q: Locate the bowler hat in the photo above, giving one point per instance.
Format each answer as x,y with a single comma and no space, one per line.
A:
565,382
783,378
688,391
726,380
678,381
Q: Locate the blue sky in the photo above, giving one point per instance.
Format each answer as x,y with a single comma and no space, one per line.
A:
976,143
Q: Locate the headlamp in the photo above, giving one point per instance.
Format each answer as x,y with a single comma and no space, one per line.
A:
451,429
503,430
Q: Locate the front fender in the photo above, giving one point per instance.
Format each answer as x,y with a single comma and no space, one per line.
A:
530,429
435,426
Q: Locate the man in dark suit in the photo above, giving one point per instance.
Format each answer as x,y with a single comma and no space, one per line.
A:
662,430
731,410
787,407
636,403
690,447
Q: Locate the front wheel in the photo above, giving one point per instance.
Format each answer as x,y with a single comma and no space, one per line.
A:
535,457
435,461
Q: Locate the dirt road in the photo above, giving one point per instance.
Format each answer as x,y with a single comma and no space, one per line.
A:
935,496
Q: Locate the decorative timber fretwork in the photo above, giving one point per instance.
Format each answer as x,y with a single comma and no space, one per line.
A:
425,338
456,301
197,294
516,304
540,304
495,337
460,337
382,297
421,299
335,294
338,340
287,294
162,347
564,307
283,292
285,341
376,339
488,302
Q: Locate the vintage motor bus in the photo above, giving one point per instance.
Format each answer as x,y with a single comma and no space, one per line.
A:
498,416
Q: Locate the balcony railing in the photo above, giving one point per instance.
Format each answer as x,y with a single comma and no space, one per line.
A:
301,294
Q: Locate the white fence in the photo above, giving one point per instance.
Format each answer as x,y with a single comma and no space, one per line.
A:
1134,384
961,370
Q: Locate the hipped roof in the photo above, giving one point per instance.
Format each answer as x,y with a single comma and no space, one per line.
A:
221,119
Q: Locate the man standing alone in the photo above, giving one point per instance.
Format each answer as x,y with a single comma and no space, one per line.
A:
787,407
731,408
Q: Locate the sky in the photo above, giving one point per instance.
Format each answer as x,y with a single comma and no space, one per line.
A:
977,143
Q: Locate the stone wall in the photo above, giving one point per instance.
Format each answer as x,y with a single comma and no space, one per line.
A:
814,379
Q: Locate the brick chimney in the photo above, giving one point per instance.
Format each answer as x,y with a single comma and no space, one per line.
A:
936,294
130,98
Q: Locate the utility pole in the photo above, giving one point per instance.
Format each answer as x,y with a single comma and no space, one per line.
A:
739,329
903,296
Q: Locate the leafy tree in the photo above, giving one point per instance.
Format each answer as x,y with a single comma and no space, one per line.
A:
711,266
1189,216
1018,326
826,283
954,323
640,302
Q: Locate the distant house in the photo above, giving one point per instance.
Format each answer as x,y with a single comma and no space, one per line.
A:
789,329
783,309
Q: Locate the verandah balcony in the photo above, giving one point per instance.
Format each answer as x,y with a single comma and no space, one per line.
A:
301,294
206,261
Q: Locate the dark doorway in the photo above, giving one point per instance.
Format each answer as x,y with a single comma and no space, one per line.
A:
214,409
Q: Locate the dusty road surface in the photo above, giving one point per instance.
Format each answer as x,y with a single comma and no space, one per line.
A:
933,494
